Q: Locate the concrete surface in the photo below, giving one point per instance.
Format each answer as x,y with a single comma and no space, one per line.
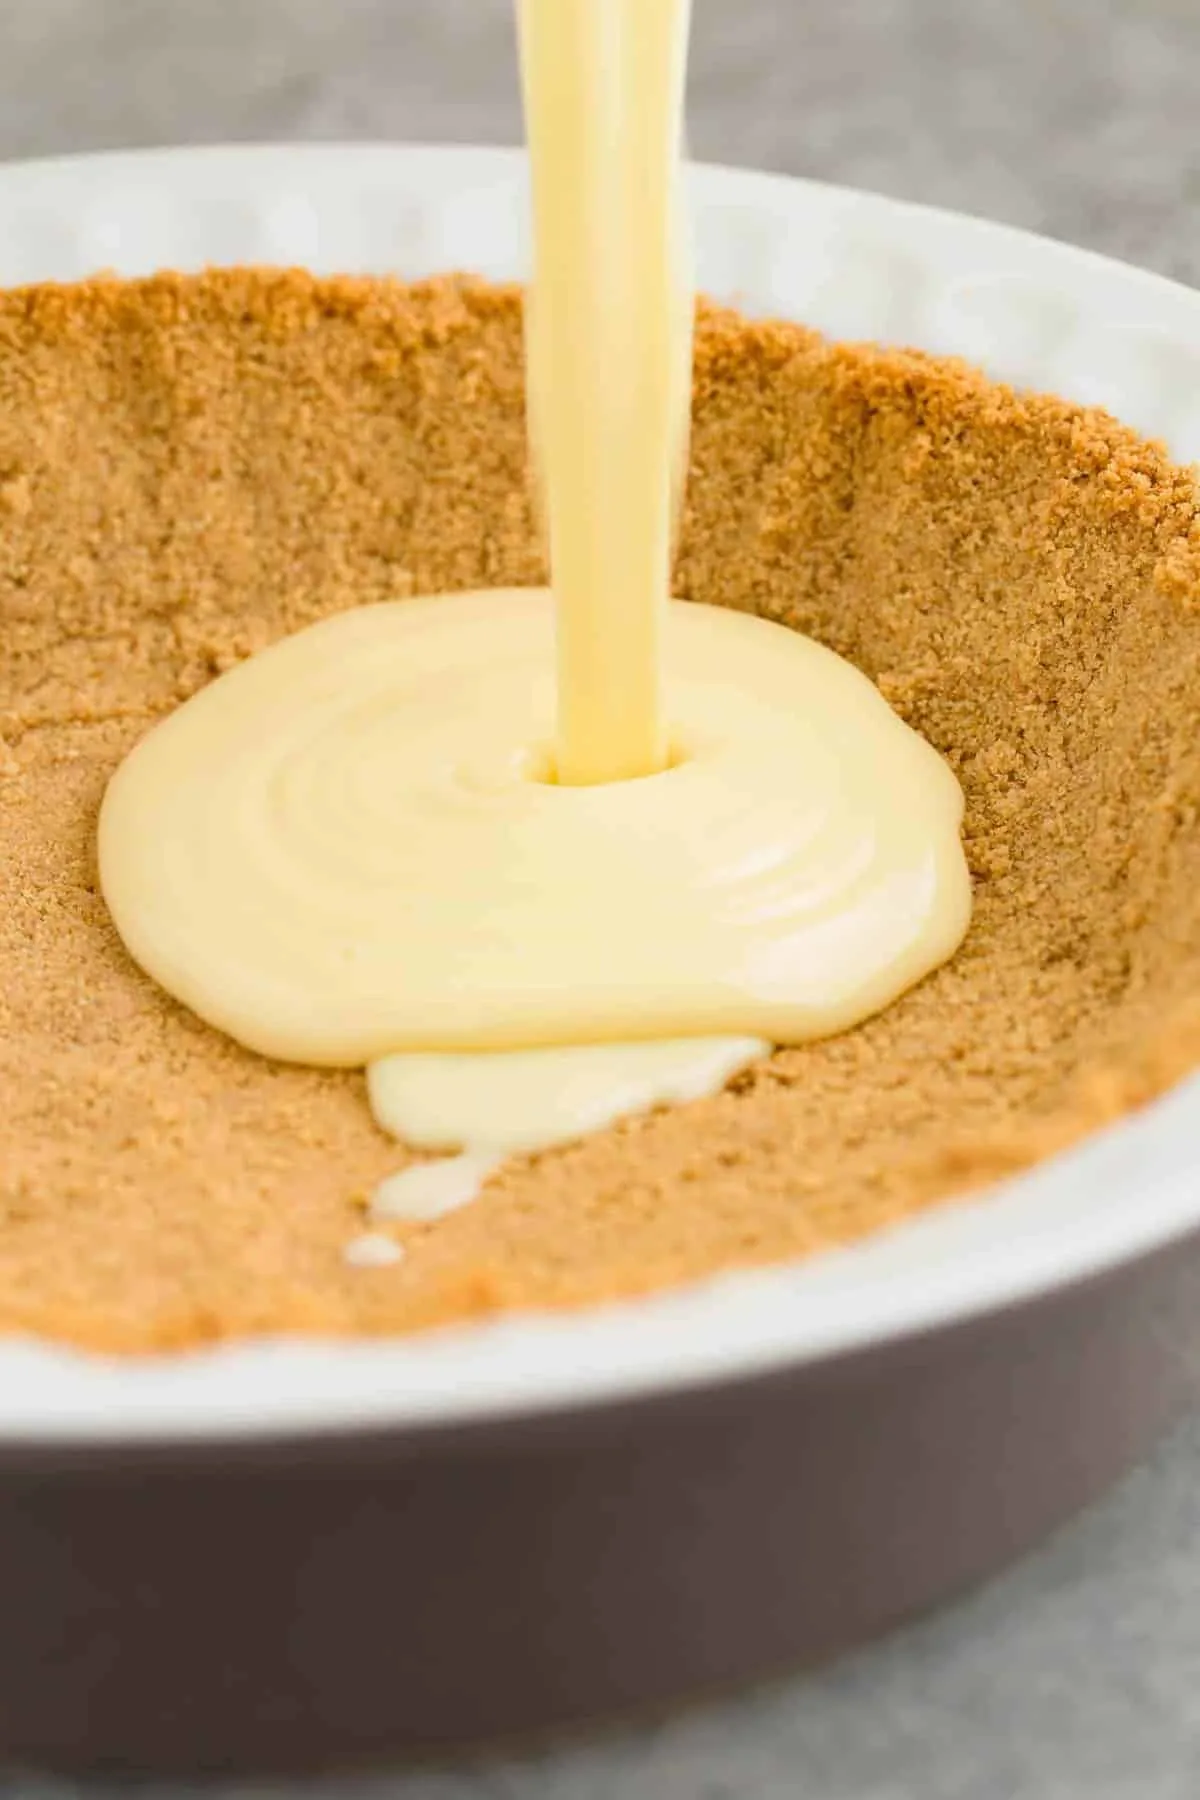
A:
1079,1674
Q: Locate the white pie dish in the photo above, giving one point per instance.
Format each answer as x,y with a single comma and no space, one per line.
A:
1030,311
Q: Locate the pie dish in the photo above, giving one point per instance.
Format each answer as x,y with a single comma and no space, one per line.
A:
828,1365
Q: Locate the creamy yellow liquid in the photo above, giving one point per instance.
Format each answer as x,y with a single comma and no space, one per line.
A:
543,860
609,349
351,845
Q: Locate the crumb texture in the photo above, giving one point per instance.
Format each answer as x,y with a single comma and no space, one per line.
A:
191,467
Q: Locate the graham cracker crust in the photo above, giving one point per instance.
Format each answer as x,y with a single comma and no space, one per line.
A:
192,466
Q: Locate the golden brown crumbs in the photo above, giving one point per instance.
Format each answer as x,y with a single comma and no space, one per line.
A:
190,467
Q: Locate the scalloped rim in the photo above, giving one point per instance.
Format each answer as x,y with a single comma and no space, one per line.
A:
1030,311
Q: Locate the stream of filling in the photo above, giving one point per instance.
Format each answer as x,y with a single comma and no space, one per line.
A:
539,860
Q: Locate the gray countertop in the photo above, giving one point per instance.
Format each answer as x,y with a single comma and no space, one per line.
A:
1078,1674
